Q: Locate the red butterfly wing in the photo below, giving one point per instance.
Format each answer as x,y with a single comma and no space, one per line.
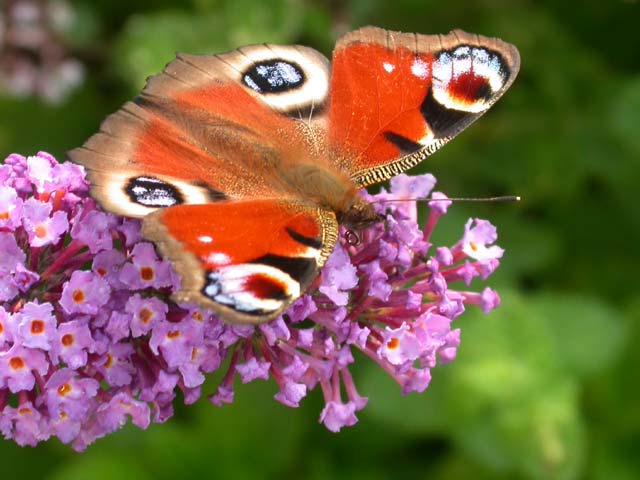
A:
246,259
396,98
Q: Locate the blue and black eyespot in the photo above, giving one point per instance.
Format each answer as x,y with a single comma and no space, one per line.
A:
274,76
152,192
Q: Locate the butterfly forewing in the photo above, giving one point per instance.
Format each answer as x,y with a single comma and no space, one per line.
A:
396,97
209,127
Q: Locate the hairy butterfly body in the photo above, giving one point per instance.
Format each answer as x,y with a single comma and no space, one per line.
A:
243,164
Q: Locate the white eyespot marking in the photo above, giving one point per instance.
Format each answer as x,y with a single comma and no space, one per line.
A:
250,288
442,68
218,258
420,68
461,61
388,67
205,239
251,84
467,78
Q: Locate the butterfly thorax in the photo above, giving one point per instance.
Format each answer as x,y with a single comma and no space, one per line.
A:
331,189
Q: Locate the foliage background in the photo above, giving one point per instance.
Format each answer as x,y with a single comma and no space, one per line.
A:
544,387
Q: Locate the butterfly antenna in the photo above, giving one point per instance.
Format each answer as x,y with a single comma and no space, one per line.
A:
503,198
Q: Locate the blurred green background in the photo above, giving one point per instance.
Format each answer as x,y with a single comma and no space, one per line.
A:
548,385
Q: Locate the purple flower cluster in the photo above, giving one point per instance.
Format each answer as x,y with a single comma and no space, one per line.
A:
89,338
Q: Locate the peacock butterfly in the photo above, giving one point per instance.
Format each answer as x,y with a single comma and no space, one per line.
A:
243,164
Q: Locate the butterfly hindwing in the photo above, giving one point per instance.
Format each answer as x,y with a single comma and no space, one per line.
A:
247,259
397,97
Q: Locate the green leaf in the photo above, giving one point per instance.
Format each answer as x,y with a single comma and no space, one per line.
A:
541,436
588,335
96,466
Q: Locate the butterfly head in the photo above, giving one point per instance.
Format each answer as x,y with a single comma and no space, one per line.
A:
359,215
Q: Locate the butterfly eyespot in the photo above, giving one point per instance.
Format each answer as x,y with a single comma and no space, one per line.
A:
152,192
291,80
467,78
274,76
352,238
250,289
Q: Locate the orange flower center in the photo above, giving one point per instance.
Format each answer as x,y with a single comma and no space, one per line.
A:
145,315
146,273
64,389
78,296
41,231
37,327
17,363
109,362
